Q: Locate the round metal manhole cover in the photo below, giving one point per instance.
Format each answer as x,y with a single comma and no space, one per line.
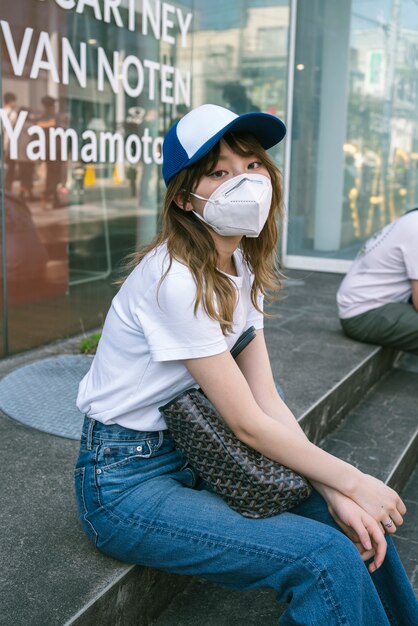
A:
43,394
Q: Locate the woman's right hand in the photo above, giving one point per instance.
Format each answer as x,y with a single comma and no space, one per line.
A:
359,526
380,501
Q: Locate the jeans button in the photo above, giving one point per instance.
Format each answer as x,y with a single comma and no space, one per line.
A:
139,448
107,450
98,471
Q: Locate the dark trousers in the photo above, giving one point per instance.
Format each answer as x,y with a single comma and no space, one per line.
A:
393,325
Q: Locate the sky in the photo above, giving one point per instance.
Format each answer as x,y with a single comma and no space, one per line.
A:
365,13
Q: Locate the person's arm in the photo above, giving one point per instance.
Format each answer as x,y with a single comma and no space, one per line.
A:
259,418
364,531
414,284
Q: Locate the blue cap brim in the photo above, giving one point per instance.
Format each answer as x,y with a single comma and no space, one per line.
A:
268,129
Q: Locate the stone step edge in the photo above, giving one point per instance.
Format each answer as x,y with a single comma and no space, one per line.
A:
100,595
328,412
137,595
405,465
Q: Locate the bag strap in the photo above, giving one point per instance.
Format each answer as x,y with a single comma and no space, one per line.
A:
243,341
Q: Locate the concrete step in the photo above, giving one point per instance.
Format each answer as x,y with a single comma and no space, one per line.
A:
323,374
49,573
407,539
380,437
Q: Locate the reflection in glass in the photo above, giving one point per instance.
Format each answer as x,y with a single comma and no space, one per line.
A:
240,56
354,163
93,92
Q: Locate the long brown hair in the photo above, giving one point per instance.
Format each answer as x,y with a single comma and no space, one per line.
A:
189,241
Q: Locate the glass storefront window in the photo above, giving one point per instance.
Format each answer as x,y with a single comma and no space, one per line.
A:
240,55
355,126
88,91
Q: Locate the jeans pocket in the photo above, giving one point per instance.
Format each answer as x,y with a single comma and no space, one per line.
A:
122,466
80,493
116,454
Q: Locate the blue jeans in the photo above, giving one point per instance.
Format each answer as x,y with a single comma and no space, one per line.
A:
139,502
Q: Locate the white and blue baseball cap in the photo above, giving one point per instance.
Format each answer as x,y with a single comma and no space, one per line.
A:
199,130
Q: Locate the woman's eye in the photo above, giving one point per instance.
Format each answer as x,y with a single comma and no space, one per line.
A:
217,174
254,165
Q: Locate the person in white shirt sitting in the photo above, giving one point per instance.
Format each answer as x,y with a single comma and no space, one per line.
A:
378,298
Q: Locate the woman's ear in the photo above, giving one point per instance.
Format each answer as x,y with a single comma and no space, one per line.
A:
181,203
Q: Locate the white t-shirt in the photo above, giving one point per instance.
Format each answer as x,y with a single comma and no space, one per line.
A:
383,269
138,367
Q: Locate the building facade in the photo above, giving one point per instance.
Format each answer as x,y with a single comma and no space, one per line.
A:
89,88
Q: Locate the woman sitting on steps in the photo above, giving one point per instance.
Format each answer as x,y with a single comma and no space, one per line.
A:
189,296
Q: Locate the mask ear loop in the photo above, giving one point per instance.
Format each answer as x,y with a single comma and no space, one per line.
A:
200,197
202,219
191,193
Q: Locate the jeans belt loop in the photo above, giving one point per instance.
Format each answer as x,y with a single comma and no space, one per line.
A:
89,438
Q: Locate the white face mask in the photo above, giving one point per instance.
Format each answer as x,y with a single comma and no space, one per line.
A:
238,207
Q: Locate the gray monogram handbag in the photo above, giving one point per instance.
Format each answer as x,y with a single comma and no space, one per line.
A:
249,482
